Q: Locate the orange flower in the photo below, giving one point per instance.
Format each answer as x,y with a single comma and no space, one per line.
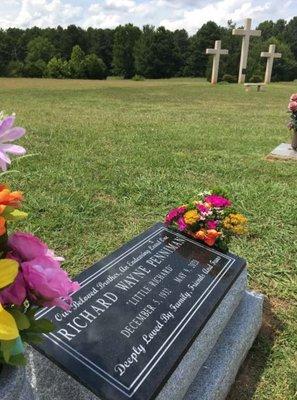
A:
8,198
200,235
2,226
208,236
211,237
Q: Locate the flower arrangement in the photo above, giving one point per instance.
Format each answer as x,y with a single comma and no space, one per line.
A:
292,107
211,219
292,125
30,273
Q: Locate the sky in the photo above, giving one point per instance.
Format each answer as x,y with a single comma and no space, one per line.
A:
173,14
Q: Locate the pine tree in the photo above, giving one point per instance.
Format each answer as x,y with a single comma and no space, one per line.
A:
123,61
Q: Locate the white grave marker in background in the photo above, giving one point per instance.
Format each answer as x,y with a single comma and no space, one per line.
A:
246,33
217,51
270,55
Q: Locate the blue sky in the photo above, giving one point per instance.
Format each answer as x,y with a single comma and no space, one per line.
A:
174,14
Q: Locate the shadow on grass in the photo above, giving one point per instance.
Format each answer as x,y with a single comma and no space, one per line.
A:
251,371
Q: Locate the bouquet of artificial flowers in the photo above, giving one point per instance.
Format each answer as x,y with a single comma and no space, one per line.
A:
210,219
292,107
292,125
30,273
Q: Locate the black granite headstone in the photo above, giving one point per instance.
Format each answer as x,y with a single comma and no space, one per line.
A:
137,313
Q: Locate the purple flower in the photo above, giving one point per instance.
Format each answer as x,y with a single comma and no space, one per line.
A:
212,224
15,293
48,284
203,209
45,282
9,133
218,201
174,214
181,224
25,247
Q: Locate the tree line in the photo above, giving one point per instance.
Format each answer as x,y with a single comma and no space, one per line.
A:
150,52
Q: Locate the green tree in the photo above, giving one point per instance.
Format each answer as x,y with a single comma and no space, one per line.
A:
284,68
58,68
36,69
70,37
181,40
290,35
15,69
123,61
95,67
100,42
204,38
157,54
77,63
272,29
40,48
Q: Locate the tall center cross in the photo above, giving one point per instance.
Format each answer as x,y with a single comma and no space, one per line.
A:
217,51
270,55
247,32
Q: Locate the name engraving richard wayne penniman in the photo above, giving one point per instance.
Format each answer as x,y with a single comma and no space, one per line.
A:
148,283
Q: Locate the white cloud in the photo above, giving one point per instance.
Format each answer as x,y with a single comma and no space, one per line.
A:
119,4
43,13
188,14
219,12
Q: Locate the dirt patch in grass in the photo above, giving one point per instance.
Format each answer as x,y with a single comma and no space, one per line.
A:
249,375
106,198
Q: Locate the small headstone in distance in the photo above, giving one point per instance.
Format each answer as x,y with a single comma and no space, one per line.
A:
137,313
283,152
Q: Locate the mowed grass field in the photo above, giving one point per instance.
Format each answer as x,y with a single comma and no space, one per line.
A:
108,159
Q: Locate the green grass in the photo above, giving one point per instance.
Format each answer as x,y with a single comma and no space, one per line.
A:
110,158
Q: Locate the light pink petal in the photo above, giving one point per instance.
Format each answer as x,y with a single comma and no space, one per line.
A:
4,157
7,123
50,253
64,304
3,165
12,134
13,149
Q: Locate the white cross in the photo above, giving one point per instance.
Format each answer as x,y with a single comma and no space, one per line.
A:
270,55
217,51
247,32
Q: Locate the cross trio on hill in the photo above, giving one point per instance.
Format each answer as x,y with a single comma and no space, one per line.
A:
246,33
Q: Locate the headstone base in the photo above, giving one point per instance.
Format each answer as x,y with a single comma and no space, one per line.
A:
237,331
283,152
218,373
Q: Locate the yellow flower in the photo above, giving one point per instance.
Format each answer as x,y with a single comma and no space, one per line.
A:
236,223
8,327
8,272
191,217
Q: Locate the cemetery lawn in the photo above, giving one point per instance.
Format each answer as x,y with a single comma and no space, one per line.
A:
107,159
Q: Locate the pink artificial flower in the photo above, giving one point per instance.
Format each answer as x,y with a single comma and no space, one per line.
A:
218,201
212,224
292,106
48,285
293,97
203,209
174,214
181,224
9,133
25,247
16,293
